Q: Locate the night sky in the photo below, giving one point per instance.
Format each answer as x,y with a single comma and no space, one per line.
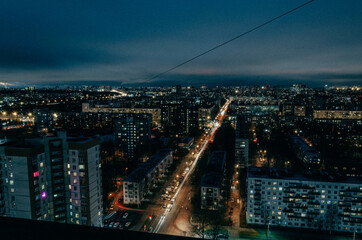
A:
131,41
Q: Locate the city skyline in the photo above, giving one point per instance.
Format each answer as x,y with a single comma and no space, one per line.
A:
128,43
251,162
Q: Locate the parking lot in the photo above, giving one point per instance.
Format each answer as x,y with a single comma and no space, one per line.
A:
121,220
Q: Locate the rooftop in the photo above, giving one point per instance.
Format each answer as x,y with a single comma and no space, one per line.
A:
286,174
138,174
241,131
17,228
214,171
186,140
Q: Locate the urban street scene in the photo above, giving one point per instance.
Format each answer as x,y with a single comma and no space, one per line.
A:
181,120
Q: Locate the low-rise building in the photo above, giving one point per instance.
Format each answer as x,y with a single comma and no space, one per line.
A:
305,152
211,183
186,142
155,112
138,183
337,115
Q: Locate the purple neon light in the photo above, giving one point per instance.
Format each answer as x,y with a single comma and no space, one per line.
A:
44,195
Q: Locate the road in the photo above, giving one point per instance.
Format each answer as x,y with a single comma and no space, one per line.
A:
158,219
166,220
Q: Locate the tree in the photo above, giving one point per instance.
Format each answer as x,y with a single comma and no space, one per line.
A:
202,222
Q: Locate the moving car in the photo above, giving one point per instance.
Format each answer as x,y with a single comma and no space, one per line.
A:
169,207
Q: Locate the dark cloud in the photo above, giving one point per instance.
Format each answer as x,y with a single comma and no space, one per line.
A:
56,56
132,40
312,80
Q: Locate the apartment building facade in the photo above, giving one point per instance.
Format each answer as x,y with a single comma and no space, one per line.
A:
312,201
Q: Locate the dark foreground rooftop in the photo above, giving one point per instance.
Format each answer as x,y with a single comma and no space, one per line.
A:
24,229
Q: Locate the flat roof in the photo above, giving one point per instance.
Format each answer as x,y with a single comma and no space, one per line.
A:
304,145
286,174
215,170
139,173
241,131
186,140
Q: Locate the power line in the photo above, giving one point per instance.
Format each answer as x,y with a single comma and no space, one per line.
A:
230,40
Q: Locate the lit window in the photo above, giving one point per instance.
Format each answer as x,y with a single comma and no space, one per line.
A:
36,174
12,190
11,182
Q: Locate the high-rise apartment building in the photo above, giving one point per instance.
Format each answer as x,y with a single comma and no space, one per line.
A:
44,119
132,130
138,183
54,178
86,205
211,183
241,142
23,185
56,160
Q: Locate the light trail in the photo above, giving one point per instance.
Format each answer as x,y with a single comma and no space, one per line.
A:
192,168
123,94
123,207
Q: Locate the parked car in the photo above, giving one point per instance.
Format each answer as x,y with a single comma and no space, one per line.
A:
127,224
120,226
125,215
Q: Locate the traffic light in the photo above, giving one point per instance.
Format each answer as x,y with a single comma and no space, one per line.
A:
150,217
